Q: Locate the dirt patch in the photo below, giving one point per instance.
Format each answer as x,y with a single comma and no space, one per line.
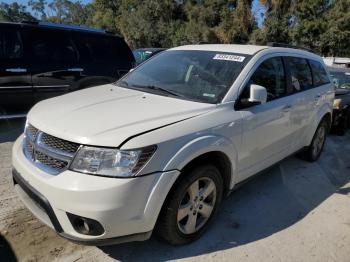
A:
33,241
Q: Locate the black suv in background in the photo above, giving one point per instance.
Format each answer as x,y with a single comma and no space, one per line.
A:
41,60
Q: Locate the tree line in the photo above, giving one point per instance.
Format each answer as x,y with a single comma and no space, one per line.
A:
321,25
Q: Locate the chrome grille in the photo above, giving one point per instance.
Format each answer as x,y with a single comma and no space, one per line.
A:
49,153
50,161
59,144
31,132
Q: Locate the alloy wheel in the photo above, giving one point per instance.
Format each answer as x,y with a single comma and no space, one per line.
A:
319,141
196,206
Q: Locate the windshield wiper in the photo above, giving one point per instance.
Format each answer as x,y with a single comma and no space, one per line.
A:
157,88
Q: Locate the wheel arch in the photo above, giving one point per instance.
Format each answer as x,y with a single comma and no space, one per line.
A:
324,114
216,158
213,149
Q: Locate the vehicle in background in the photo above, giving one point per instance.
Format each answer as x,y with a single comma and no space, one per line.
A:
40,60
142,54
337,61
159,149
341,111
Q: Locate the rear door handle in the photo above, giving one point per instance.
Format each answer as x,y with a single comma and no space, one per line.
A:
16,70
75,69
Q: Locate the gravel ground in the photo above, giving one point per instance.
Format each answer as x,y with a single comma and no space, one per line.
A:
297,211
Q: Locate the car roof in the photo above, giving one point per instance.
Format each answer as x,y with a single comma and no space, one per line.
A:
57,26
231,48
249,49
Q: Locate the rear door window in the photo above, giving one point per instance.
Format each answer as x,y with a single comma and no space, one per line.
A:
300,74
319,73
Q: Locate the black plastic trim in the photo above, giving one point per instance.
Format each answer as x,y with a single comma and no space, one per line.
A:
96,227
38,198
108,241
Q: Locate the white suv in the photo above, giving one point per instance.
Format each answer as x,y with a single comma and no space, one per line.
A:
160,149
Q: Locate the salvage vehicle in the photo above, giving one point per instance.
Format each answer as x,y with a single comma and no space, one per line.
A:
341,106
159,150
40,60
143,54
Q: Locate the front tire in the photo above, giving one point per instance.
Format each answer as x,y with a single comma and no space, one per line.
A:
191,206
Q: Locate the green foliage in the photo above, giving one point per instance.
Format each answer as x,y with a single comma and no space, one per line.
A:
14,13
322,25
335,39
236,25
62,11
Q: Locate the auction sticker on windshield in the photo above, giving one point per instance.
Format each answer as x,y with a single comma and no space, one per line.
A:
235,58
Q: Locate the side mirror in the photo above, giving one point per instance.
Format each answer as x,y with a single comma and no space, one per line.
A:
258,94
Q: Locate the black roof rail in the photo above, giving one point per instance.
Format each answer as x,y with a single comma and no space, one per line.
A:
65,26
275,44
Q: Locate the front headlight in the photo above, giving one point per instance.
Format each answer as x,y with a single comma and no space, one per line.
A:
337,103
111,162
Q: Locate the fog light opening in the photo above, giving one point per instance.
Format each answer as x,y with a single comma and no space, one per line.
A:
85,226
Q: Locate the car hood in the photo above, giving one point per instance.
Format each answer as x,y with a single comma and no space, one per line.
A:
109,115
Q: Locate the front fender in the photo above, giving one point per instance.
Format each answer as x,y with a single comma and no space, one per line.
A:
200,146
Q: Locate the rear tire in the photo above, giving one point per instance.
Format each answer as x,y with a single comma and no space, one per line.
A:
191,206
314,150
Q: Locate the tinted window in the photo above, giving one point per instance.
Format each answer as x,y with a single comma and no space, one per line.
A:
53,47
103,49
301,76
197,75
319,73
270,74
10,45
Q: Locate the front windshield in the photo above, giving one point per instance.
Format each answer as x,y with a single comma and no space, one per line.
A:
203,76
341,79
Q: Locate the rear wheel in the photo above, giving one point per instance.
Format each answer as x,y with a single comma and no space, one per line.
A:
314,150
191,206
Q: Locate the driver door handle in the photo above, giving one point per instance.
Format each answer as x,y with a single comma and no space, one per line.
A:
75,69
16,70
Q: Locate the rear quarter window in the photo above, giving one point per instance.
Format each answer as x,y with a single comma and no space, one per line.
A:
319,73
